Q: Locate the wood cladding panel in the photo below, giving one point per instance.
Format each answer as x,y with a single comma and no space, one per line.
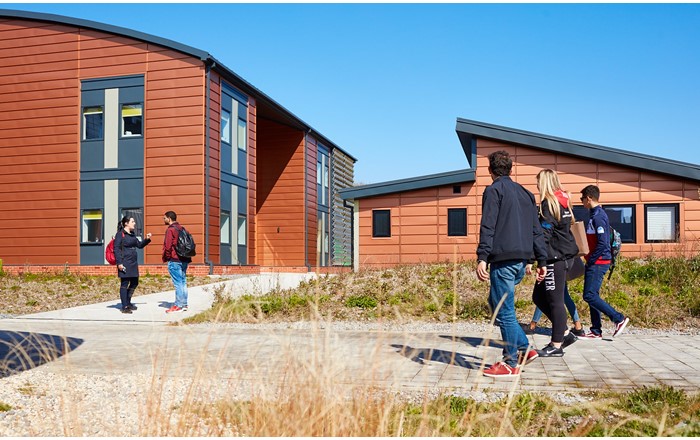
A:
619,185
42,66
280,176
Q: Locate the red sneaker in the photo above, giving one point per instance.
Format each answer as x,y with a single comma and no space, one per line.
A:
500,369
591,335
174,308
620,327
530,356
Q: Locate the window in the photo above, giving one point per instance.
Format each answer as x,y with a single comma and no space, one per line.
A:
661,223
381,223
241,135
457,189
457,222
323,177
225,227
225,126
91,226
93,123
621,217
137,215
241,230
322,239
132,120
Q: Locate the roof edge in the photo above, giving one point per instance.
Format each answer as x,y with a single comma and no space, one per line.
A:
203,56
409,184
580,149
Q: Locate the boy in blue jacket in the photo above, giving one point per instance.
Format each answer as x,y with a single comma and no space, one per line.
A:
597,263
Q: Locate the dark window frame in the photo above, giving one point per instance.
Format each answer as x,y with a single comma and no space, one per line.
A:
622,230
381,223
677,224
453,229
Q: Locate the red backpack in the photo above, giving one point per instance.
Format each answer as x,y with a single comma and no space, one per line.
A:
109,252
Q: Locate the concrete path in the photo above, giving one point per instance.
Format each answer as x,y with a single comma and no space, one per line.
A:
100,340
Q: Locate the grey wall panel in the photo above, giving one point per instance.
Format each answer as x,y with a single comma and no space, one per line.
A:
92,197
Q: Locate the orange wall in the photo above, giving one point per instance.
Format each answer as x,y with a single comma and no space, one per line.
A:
40,140
419,218
280,198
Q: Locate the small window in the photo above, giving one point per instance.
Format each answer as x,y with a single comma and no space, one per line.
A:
225,126
137,215
225,227
241,135
661,223
457,222
91,226
132,120
241,230
457,189
93,123
381,223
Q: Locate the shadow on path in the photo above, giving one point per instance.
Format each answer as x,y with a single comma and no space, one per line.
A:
421,355
474,341
22,351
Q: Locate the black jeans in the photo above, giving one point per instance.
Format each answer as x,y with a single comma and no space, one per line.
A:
126,290
548,295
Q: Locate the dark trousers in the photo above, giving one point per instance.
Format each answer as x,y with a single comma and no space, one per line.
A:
126,290
548,295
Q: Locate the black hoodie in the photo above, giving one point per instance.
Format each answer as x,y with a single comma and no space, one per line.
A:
510,229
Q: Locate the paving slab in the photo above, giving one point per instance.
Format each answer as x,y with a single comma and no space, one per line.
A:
98,339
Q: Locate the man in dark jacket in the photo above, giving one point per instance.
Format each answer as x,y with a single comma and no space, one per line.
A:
597,263
177,265
509,236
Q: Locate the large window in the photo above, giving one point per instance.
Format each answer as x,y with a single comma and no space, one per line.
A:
93,123
622,218
226,126
661,223
137,215
457,222
381,223
91,226
132,120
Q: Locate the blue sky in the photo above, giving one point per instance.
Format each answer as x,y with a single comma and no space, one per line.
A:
386,82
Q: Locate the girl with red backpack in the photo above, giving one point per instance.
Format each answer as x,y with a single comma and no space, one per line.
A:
125,245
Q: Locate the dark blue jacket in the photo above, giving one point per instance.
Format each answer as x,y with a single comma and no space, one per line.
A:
598,236
125,253
510,228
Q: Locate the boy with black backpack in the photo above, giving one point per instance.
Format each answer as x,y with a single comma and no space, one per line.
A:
178,250
598,261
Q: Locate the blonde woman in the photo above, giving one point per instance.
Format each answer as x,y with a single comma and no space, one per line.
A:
555,216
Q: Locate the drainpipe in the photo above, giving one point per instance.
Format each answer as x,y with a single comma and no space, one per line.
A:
306,208
208,65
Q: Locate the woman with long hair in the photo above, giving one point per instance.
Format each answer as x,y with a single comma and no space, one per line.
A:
556,217
125,245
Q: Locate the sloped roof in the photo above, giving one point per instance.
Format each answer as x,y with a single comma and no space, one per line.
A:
265,103
414,183
467,128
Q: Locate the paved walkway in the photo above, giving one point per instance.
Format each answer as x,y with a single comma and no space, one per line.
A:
99,339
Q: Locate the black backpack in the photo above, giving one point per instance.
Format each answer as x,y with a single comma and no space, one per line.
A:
185,246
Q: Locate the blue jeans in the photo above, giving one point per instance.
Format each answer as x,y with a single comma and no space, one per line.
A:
568,302
505,275
178,273
592,281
